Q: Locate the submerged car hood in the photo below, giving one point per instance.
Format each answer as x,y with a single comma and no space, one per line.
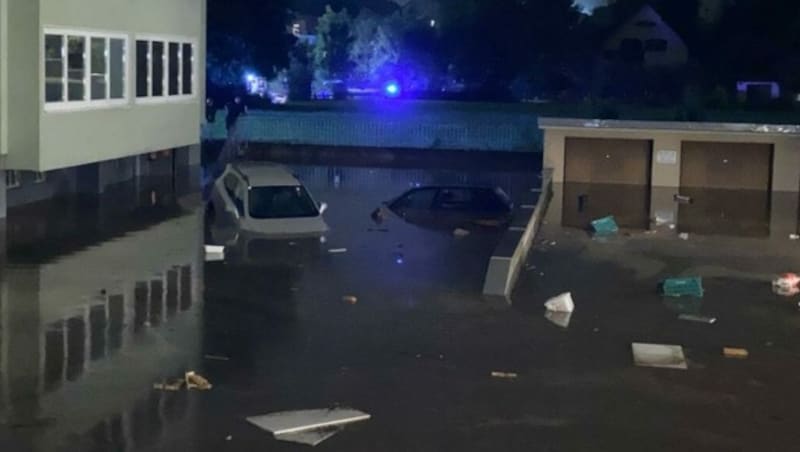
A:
285,227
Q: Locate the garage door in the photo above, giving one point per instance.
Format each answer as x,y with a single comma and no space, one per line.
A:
729,184
737,166
607,177
607,161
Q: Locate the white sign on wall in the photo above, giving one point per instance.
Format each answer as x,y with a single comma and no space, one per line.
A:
667,157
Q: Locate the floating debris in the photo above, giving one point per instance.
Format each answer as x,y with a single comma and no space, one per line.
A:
460,232
215,253
217,358
350,299
735,353
697,318
506,375
659,355
172,387
195,381
307,426
337,250
561,303
683,287
561,319
605,226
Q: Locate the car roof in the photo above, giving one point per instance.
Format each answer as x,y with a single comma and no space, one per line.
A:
266,174
451,187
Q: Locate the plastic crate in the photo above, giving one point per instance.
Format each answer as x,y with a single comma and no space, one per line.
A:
605,226
683,287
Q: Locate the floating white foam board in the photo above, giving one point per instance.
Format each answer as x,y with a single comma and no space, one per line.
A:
659,355
304,420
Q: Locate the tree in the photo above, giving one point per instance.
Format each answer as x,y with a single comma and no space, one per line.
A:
332,48
375,49
491,39
227,59
251,33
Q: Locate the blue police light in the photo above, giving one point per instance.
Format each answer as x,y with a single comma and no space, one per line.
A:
392,89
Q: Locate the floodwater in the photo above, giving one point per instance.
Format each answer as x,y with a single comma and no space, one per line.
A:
102,298
106,296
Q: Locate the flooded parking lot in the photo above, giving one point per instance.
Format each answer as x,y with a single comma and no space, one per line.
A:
103,301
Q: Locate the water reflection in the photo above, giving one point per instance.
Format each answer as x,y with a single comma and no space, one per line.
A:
87,304
629,204
740,213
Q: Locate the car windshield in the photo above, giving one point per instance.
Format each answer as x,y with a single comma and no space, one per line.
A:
281,202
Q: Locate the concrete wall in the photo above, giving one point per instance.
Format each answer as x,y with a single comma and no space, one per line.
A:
19,81
456,130
49,140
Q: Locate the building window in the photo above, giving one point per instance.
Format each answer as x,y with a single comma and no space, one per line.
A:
187,75
164,69
655,45
174,68
157,75
142,69
76,68
39,177
12,179
83,70
54,68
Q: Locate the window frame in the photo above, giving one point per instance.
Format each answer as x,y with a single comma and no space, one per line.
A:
166,40
87,103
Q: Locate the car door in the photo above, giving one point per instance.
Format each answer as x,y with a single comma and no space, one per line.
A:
416,206
453,207
230,191
489,207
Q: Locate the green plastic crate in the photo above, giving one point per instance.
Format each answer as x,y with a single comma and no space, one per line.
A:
605,226
683,287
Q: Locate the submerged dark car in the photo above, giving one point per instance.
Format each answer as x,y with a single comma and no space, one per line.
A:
449,207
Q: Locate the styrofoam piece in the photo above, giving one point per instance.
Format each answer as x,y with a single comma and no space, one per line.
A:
659,355
787,281
287,422
215,253
561,319
311,437
561,303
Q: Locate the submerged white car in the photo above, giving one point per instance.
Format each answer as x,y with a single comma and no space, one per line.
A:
265,199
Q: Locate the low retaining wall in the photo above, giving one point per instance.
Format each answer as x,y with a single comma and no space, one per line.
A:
456,130
512,252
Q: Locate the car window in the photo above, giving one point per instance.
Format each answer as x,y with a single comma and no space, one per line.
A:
416,199
281,202
488,201
454,199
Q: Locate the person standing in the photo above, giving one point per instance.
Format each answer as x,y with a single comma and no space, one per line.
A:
236,109
211,110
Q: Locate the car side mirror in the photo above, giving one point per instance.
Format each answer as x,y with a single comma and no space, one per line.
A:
323,207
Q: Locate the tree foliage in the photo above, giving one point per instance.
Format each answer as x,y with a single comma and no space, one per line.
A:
331,52
248,33
375,49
